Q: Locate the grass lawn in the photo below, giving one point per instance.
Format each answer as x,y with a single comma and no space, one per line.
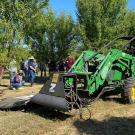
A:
108,118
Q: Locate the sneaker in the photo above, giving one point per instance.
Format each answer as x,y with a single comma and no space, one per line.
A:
13,88
20,88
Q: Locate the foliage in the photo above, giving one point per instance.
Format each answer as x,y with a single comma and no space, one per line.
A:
130,27
16,17
64,35
34,24
31,22
101,21
53,37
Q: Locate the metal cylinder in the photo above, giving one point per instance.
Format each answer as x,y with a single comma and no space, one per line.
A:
50,101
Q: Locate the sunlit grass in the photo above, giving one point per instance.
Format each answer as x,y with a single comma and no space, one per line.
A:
108,118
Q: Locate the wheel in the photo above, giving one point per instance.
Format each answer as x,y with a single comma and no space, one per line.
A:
129,90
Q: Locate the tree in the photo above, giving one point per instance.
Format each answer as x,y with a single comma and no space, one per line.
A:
53,37
64,35
130,23
101,21
17,19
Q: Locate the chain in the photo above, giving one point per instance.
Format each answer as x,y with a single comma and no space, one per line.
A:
75,101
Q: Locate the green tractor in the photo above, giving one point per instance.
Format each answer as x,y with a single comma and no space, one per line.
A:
92,74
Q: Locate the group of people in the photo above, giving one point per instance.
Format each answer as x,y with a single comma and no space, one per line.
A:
53,66
61,65
27,69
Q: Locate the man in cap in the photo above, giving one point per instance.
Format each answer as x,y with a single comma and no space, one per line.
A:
32,69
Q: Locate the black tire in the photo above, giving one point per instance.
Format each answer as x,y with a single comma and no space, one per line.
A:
129,90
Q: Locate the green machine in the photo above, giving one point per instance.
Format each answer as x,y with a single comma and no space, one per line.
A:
92,74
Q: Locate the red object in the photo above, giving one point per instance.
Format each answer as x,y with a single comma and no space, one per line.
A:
69,62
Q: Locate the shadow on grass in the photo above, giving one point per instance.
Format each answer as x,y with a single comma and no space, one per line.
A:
111,126
46,112
116,99
3,88
41,80
41,111
4,85
5,77
113,96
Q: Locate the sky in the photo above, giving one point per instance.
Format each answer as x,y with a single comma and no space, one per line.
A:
69,6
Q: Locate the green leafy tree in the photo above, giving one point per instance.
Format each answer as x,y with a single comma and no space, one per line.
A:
64,35
100,21
130,23
53,38
17,19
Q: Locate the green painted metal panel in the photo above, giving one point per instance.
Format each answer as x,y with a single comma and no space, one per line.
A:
115,60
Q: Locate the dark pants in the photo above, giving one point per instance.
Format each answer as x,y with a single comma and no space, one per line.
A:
26,71
41,70
18,85
32,76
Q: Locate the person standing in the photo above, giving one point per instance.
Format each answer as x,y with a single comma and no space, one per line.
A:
36,66
42,68
51,66
32,69
12,70
26,70
61,66
69,61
